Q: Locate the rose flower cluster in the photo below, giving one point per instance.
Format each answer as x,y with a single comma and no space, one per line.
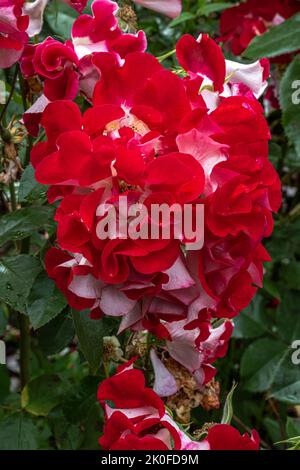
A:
149,135
20,19
155,136
136,419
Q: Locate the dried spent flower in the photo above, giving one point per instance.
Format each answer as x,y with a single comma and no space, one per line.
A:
111,349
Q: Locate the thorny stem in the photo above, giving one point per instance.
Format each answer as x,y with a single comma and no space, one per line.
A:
24,325
10,94
278,418
24,349
29,138
23,320
106,369
4,133
25,245
13,198
28,150
25,340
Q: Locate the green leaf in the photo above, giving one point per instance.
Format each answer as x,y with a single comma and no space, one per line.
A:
253,321
17,275
42,394
67,435
60,19
91,428
20,224
281,39
292,159
18,432
290,274
272,288
56,335
275,153
185,16
45,301
261,362
292,427
207,9
81,398
288,318
293,443
286,384
290,102
29,188
267,365
90,335
228,408
285,240
273,428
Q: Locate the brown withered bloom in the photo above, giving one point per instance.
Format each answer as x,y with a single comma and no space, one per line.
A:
128,19
189,395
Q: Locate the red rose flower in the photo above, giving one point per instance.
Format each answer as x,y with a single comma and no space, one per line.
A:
136,419
241,23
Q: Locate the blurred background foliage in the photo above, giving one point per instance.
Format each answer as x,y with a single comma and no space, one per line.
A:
57,408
